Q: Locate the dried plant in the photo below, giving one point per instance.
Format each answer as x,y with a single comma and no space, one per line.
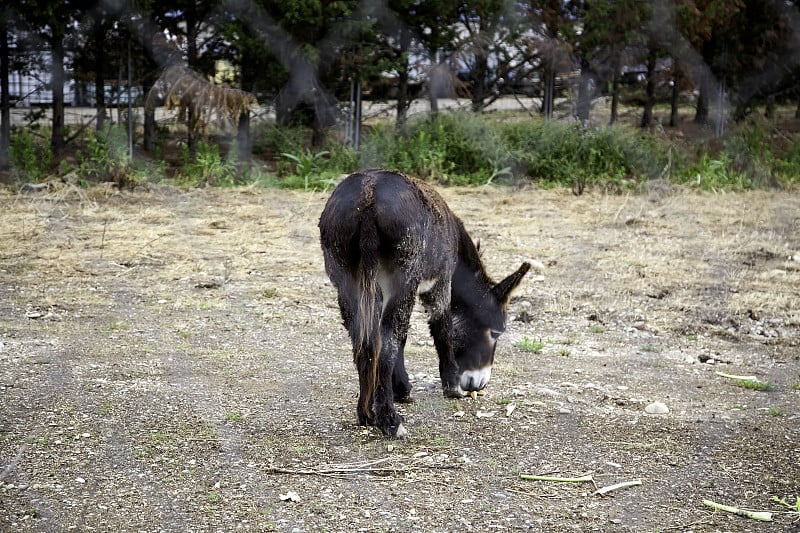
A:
201,103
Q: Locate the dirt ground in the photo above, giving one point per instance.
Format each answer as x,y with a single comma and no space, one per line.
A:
174,361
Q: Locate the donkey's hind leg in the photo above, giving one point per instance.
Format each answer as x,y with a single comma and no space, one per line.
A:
398,302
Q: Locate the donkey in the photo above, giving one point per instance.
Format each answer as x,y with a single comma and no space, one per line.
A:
386,238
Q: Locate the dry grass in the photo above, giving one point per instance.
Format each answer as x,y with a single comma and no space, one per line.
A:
145,319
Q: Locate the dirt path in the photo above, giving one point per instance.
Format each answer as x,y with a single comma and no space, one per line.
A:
174,361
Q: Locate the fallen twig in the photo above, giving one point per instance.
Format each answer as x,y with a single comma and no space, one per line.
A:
376,467
764,516
580,479
623,485
738,378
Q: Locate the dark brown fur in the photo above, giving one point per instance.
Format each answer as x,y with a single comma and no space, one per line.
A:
385,237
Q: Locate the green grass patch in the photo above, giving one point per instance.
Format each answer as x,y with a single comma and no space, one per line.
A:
748,382
528,344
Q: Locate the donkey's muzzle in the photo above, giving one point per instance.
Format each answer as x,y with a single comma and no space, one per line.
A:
475,380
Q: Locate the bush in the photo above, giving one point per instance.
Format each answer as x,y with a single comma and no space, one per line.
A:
560,153
30,158
452,148
208,167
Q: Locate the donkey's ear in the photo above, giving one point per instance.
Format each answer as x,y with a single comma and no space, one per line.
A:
502,291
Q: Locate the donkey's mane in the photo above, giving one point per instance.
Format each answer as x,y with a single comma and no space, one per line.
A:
470,257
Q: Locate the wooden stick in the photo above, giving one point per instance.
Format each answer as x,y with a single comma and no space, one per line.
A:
581,479
623,485
764,516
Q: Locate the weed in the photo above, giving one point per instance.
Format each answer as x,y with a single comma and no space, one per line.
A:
440,442
208,167
528,344
307,163
756,385
777,411
652,348
234,416
793,508
116,326
597,329
269,293
715,175
30,159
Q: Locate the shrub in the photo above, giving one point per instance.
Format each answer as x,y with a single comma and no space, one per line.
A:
454,148
552,152
208,167
30,158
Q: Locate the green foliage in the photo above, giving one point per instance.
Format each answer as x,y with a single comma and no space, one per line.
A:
308,165
106,158
557,153
30,158
208,167
268,138
755,385
528,344
455,148
793,508
714,175
787,168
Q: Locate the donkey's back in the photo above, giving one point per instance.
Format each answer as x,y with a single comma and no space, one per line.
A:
402,220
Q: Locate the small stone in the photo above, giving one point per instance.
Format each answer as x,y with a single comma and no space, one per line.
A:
656,408
290,496
537,266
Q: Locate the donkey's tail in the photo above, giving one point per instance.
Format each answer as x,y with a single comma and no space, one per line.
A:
367,342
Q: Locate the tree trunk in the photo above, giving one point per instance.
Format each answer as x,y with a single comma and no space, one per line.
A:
5,101
403,97
701,108
548,94
584,104
673,101
243,137
57,80
99,70
478,75
191,59
614,97
647,116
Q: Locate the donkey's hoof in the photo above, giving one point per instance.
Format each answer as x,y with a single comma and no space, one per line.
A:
454,392
404,399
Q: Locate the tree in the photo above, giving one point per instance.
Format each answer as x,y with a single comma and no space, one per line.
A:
194,25
49,19
612,33
486,47
5,100
552,24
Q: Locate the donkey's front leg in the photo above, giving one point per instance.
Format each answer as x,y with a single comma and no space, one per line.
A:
440,321
442,332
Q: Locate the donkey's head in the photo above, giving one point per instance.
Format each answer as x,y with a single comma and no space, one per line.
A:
479,318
